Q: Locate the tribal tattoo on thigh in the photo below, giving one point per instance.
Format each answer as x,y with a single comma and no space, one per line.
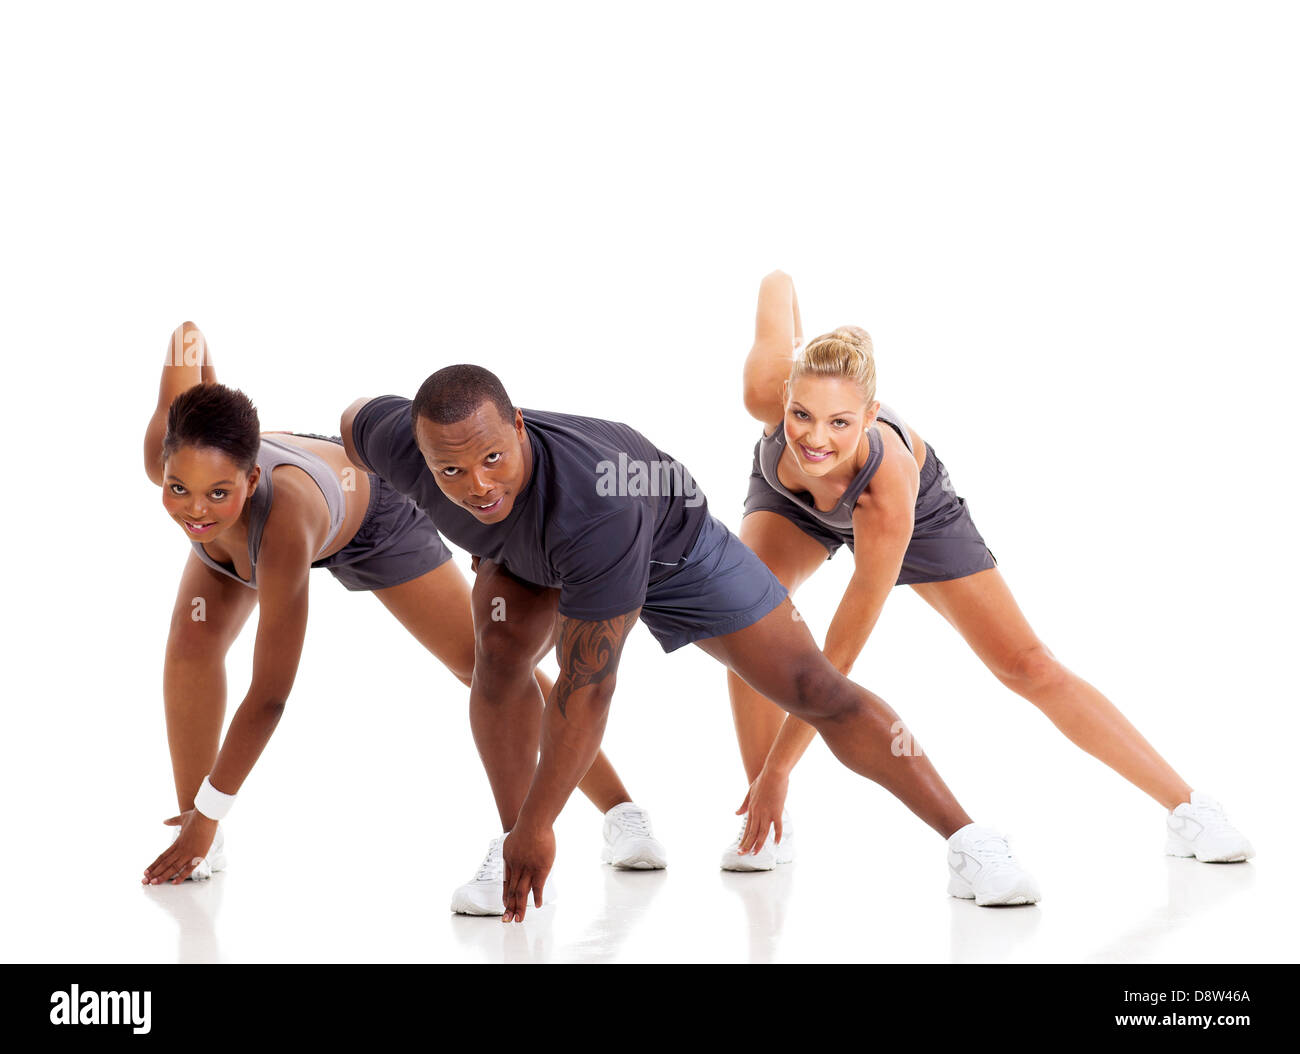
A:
588,652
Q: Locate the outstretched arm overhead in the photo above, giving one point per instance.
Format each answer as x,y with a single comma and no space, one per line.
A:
572,726
777,331
188,363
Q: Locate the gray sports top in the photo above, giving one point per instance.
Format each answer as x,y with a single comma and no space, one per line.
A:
770,449
272,454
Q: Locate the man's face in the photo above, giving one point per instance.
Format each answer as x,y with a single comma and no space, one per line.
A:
480,462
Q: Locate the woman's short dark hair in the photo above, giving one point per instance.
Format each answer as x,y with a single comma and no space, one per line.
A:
212,415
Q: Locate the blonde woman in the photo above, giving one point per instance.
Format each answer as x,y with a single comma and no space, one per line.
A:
836,467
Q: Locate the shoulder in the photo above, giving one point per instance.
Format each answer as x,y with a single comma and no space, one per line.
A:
378,436
893,488
294,518
581,449
384,417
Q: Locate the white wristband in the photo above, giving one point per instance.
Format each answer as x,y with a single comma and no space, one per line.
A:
211,802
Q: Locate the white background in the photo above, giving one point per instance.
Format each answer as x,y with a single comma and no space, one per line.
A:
1071,231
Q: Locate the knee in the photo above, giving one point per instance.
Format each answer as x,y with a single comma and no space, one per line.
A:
501,656
1031,671
192,642
821,693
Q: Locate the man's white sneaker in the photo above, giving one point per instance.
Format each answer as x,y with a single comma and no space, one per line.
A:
769,856
1199,828
481,895
214,861
981,868
630,841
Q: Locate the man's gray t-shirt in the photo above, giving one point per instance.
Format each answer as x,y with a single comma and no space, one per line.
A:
603,509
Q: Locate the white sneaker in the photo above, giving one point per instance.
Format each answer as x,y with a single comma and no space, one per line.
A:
981,868
214,861
630,841
1199,828
769,856
481,895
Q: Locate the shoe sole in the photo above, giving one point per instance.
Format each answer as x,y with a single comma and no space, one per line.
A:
1180,847
645,858
742,864
460,908
961,889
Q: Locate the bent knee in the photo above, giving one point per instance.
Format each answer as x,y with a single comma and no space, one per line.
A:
502,654
821,693
1031,670
195,641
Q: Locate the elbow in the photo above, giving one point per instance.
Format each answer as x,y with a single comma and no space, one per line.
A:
270,710
763,400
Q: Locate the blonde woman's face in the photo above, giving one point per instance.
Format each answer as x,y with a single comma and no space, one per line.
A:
824,419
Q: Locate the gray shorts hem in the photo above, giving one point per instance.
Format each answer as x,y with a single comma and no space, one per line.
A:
720,588
400,580
801,522
921,580
395,544
680,640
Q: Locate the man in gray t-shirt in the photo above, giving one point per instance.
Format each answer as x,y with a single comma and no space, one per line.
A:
583,527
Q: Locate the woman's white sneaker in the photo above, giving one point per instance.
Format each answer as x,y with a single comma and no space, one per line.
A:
214,861
1199,828
630,841
981,868
481,895
769,856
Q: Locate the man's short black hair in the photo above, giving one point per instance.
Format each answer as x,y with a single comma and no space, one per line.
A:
455,392
212,415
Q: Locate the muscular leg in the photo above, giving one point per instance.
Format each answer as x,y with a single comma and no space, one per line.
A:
982,609
435,610
792,556
194,670
778,658
514,626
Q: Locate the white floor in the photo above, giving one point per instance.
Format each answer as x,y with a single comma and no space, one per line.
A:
369,806
1130,905
371,883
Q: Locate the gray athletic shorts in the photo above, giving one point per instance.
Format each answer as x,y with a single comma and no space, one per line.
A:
719,587
395,543
945,543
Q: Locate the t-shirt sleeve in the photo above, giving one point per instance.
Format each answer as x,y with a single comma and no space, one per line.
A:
381,433
605,568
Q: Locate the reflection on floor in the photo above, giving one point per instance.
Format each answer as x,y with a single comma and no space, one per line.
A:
1150,908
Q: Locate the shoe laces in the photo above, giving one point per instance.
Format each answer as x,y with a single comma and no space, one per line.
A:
493,867
744,823
635,822
1210,815
993,850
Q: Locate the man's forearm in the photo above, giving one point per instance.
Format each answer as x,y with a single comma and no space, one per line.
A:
570,742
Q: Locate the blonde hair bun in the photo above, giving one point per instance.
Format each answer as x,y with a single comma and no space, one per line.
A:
843,352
